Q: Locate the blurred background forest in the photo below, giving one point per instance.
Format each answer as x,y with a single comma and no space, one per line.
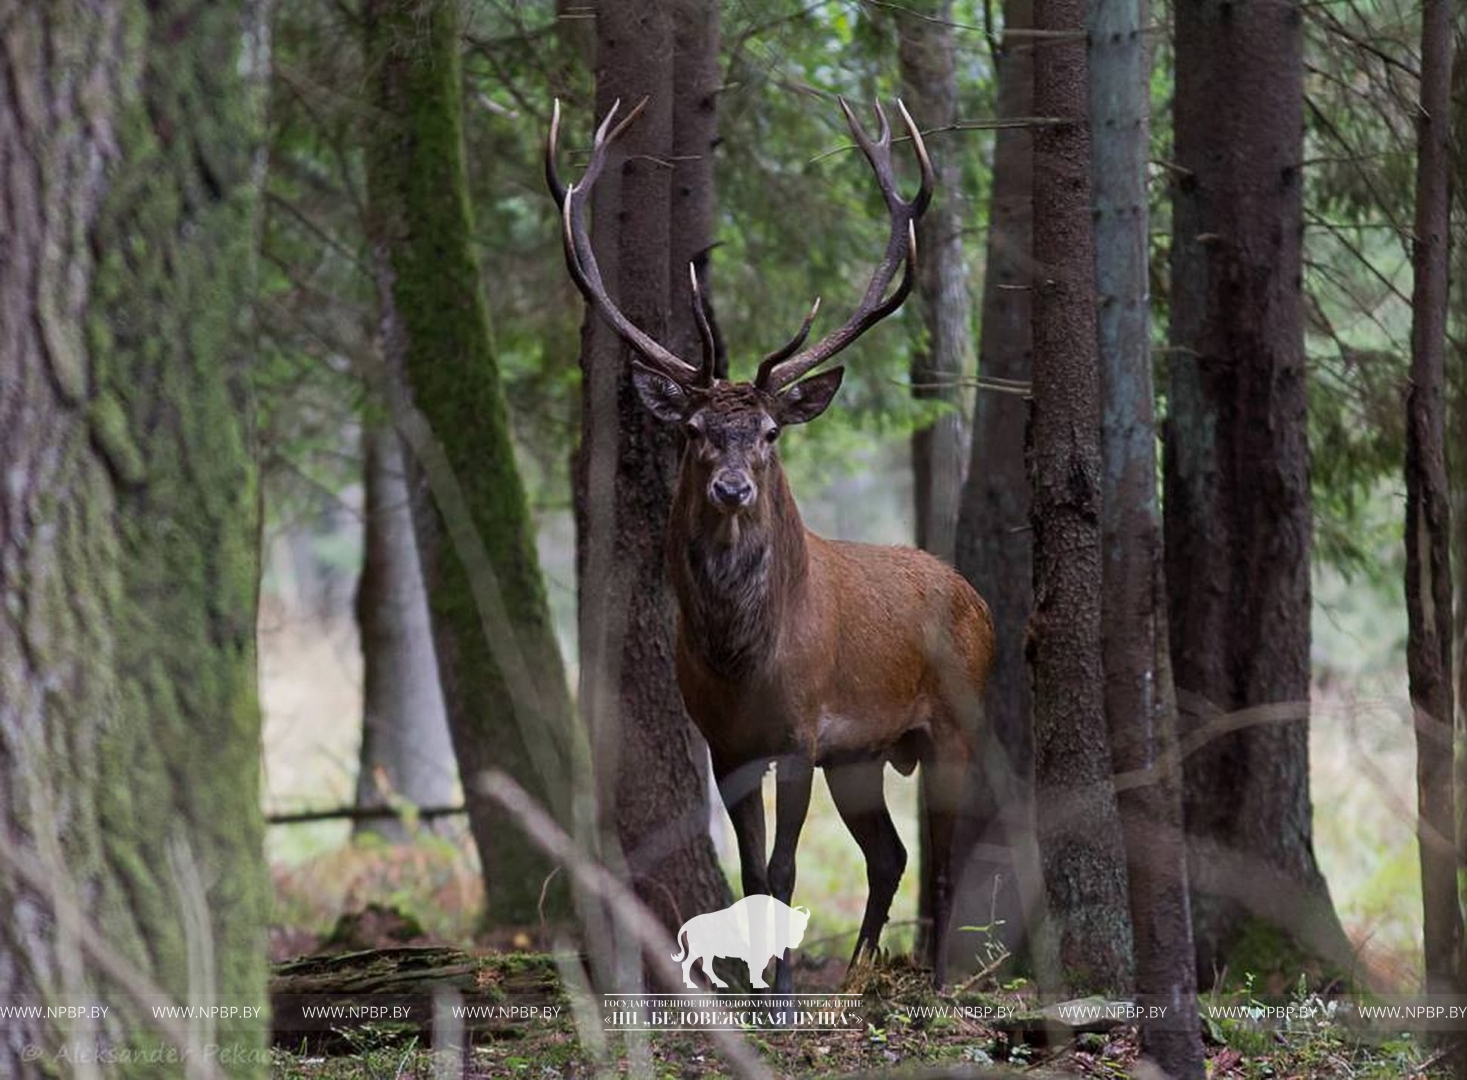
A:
309,270
793,223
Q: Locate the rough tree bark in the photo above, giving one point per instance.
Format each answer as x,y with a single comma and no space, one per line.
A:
131,839
1140,704
1237,506
652,211
407,753
1085,943
1000,886
930,92
499,664
1457,434
1428,512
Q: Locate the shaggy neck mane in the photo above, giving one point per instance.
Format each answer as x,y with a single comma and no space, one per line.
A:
735,576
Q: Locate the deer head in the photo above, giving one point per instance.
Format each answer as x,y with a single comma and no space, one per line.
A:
732,427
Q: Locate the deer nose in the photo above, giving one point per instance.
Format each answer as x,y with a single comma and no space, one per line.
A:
733,491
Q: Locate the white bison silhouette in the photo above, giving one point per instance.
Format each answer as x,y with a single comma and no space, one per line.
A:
755,929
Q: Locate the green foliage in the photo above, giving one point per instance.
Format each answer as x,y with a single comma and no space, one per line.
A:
1360,148
798,217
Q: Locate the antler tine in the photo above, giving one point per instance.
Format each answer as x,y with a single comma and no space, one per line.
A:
924,161
705,331
787,350
901,250
864,141
552,176
580,259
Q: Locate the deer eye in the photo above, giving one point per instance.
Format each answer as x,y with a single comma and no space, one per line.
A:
771,435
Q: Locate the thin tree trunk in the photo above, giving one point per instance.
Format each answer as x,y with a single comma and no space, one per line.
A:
1457,484
1237,506
930,92
1000,886
1086,941
652,206
407,753
498,660
1140,704
1428,513
131,839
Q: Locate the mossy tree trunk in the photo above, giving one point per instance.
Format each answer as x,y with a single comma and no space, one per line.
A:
1237,500
131,862
652,213
500,668
1086,940
993,544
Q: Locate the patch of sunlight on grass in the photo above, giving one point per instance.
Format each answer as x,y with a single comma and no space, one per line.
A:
434,878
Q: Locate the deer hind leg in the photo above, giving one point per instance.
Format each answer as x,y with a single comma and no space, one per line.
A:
741,788
793,778
859,797
943,771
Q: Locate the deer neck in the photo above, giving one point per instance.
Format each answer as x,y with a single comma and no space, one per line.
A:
737,579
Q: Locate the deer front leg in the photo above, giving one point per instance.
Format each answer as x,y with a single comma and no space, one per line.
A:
793,777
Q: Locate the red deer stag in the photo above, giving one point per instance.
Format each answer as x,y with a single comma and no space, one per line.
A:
791,648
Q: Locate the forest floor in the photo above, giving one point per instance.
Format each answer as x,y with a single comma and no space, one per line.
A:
907,1030
1363,772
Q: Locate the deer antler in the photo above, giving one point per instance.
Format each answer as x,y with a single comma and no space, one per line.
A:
580,260
779,369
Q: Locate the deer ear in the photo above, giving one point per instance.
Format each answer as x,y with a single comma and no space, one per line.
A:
664,398
810,397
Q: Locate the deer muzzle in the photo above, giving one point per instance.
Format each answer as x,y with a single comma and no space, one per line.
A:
732,490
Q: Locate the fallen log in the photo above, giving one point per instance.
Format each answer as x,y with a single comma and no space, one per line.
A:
334,1002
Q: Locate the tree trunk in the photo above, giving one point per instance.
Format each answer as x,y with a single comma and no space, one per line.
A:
1140,705
1428,513
930,92
131,861
498,661
1238,526
407,753
1457,483
1086,942
1000,886
652,206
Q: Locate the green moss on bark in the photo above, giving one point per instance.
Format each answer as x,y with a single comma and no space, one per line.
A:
438,332
133,754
